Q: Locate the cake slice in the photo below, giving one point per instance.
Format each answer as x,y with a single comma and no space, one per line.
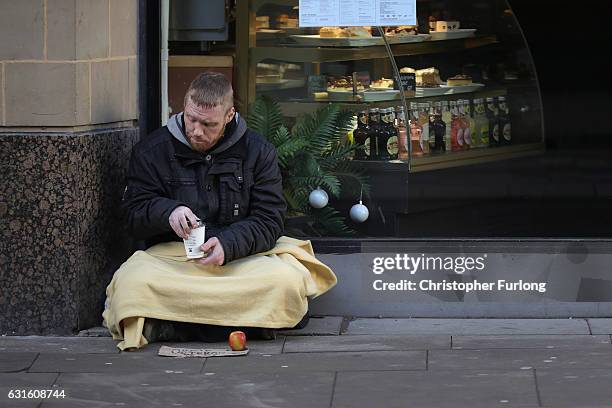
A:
331,32
428,78
459,80
357,32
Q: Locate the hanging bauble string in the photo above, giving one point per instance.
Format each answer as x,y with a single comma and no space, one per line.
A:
318,198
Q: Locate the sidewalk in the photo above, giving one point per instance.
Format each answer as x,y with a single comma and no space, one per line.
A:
334,362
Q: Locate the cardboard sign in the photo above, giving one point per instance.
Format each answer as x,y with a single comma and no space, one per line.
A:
180,352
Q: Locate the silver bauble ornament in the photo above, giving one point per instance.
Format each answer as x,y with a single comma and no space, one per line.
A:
359,212
318,198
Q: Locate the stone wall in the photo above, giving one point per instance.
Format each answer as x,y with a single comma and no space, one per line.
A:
63,237
68,110
68,62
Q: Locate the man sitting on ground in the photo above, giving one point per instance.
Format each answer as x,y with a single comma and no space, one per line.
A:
205,165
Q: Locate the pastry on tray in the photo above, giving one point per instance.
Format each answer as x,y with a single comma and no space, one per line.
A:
338,32
459,80
330,32
286,21
382,83
291,71
358,32
267,69
262,22
401,31
268,73
428,78
343,85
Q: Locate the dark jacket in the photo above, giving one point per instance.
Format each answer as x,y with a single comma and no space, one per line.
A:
236,189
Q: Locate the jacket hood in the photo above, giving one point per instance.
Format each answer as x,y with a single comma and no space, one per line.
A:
233,132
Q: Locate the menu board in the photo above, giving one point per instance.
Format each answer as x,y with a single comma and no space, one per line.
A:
350,13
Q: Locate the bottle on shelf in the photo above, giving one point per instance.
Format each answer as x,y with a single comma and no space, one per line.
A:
373,133
360,136
465,123
505,125
439,127
392,141
492,113
432,129
403,152
456,128
416,131
482,123
383,135
469,117
447,119
424,122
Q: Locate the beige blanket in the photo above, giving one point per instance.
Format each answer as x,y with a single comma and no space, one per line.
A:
268,289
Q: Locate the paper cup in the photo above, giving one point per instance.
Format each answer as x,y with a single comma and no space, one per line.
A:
194,242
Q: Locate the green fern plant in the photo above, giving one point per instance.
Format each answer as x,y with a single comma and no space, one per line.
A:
313,153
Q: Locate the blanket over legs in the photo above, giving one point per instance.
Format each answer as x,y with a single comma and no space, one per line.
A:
268,289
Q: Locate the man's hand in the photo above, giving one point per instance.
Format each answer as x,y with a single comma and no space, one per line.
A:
178,221
216,256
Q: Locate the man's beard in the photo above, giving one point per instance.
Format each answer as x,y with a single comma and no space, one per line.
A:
199,147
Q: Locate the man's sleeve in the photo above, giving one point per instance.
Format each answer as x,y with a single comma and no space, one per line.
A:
145,203
265,223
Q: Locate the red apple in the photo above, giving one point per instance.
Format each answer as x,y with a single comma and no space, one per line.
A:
237,341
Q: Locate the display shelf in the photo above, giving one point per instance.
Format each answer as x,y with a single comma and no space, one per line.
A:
295,53
294,108
455,159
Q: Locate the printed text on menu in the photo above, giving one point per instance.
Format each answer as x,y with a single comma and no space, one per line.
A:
319,13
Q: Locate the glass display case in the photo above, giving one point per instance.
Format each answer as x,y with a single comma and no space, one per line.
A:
464,91
477,74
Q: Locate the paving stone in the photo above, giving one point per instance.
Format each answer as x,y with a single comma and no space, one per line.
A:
435,389
293,390
113,363
467,326
255,346
11,362
575,388
95,332
578,341
318,326
600,326
295,362
58,344
505,359
364,343
24,381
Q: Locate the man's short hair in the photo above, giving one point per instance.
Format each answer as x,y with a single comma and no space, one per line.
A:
210,89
